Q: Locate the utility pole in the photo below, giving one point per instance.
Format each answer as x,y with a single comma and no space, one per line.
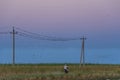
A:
82,57
13,41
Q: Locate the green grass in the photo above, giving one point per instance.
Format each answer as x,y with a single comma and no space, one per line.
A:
55,72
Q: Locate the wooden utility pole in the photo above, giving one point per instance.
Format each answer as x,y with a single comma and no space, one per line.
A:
82,57
13,39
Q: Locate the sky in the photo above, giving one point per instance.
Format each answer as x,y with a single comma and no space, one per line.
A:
98,20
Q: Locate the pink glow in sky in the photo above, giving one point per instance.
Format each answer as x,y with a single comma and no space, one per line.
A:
98,20
68,16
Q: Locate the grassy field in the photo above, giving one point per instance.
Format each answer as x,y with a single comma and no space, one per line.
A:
55,72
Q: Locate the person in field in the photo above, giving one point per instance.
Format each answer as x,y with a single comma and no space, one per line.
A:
66,70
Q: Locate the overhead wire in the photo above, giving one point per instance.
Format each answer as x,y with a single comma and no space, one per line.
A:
30,36
38,37
4,32
25,33
42,37
33,33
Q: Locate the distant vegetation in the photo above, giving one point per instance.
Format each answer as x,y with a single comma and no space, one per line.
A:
56,72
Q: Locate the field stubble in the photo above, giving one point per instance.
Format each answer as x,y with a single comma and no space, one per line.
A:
56,72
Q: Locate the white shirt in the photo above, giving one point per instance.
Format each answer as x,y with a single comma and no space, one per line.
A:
65,66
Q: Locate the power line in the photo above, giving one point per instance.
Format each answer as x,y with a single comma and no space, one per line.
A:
25,33
33,33
30,36
44,37
4,32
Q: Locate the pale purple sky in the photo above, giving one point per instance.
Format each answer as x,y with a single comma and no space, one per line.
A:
98,20
95,18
